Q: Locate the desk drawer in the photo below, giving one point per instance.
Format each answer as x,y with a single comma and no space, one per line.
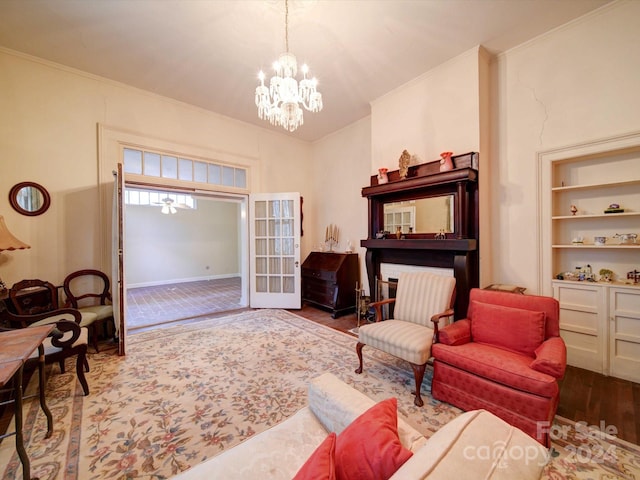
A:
327,275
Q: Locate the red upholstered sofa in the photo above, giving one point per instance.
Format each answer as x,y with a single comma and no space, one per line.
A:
505,357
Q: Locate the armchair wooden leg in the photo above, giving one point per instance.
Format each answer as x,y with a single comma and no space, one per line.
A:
359,352
418,374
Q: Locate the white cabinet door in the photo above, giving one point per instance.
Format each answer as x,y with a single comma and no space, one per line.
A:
624,332
583,308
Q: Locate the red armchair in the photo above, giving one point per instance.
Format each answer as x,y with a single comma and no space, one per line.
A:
505,357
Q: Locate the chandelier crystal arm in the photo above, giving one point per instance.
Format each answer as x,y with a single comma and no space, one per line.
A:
280,102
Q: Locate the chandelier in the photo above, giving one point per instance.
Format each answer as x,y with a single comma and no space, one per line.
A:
281,102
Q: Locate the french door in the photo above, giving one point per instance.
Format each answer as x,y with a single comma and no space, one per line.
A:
119,290
274,250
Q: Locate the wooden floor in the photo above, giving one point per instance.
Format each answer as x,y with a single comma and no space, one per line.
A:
585,396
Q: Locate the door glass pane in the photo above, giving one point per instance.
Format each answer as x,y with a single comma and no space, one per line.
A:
274,228
288,284
261,283
261,209
214,174
227,177
200,172
274,246
169,167
151,164
287,209
287,246
261,246
261,265
287,228
274,266
185,169
288,264
274,285
274,208
132,161
241,178
261,228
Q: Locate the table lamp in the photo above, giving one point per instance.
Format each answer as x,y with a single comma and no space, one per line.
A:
8,242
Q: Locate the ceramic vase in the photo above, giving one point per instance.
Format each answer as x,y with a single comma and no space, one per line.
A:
382,176
446,163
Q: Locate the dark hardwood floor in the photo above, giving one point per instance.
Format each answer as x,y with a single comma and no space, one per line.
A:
585,396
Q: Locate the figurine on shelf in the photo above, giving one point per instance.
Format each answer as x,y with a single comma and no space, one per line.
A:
403,164
446,163
574,209
606,275
382,176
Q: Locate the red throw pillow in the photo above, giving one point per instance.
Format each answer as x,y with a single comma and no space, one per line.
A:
321,464
514,329
369,448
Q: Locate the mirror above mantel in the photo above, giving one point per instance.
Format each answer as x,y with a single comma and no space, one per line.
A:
421,215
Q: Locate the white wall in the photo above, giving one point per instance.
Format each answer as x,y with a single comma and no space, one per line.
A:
341,166
48,134
436,112
576,84
189,245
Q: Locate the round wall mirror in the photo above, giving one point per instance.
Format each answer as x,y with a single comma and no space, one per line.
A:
29,198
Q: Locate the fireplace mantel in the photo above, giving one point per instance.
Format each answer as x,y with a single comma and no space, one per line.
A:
458,251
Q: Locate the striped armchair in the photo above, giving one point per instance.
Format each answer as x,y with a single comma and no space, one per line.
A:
422,298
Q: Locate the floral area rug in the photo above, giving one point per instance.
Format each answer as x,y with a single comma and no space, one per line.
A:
184,394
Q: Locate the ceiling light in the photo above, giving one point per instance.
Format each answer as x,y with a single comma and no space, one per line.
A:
281,102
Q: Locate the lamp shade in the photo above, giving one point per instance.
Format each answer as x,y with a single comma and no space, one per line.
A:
7,240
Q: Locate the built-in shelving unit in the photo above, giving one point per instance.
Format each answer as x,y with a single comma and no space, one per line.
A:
599,321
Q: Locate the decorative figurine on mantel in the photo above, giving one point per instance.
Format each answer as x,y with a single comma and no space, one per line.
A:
331,236
403,164
382,176
446,163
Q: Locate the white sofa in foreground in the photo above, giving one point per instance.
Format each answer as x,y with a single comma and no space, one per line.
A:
477,444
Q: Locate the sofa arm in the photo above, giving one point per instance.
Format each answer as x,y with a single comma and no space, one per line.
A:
457,333
336,404
551,357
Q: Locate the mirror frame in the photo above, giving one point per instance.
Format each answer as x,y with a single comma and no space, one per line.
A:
13,198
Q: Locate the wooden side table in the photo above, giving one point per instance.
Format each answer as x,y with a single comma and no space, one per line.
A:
16,346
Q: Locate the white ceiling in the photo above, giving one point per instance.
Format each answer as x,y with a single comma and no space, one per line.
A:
208,52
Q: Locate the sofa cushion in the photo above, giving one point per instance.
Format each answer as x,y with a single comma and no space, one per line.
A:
498,365
321,464
477,444
369,448
515,329
336,404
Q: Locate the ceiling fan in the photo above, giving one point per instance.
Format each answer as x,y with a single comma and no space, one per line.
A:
170,207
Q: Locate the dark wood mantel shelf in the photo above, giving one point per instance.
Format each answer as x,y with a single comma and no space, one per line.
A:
458,251
451,244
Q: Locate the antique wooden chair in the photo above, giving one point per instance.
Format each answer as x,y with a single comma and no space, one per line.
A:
88,291
66,340
43,298
422,298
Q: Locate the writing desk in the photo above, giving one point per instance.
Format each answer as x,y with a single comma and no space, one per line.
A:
16,347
